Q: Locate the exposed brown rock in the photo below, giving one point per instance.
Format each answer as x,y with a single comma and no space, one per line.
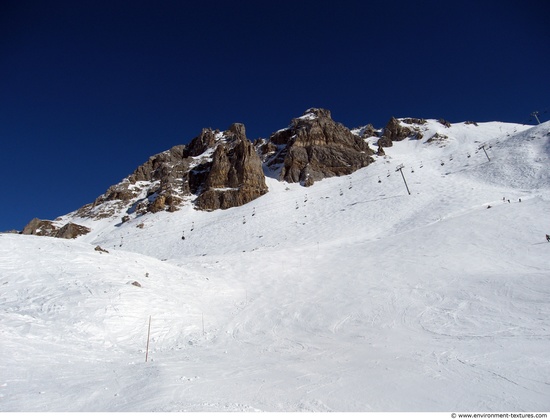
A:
314,147
385,142
236,132
203,142
163,174
437,138
444,122
368,131
158,204
235,176
39,227
71,231
418,121
160,165
222,166
100,249
219,170
394,131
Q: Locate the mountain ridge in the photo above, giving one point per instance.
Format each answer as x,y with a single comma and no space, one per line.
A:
313,147
348,295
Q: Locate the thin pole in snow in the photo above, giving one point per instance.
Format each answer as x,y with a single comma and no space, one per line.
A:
400,169
485,151
535,115
148,335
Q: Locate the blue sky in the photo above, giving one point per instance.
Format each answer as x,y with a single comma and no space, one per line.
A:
90,89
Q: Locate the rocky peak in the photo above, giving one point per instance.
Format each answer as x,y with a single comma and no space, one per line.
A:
209,138
314,147
221,165
235,176
313,113
367,131
201,143
236,132
396,131
223,169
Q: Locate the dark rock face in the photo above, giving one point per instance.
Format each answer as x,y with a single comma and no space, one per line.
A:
235,177
368,131
160,179
444,122
71,231
203,142
219,169
395,131
437,138
418,121
314,147
39,227
384,142
223,169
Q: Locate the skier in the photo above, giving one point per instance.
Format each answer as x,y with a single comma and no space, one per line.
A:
547,238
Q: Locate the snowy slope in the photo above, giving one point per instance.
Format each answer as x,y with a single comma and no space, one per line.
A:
350,295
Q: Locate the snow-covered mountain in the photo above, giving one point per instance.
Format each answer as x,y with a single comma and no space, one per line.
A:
420,289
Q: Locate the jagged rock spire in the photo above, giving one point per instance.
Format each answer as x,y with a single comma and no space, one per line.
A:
313,147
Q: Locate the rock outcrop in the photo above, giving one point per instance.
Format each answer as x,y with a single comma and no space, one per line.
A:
71,231
215,170
156,185
396,131
223,169
235,176
39,227
315,147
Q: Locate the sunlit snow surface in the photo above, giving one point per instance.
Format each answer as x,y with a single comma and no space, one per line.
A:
350,295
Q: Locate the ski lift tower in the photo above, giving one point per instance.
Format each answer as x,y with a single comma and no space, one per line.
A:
482,147
535,114
400,169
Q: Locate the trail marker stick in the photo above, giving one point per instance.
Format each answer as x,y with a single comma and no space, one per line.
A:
148,335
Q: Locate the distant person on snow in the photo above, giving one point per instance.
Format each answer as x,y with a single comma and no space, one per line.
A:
547,238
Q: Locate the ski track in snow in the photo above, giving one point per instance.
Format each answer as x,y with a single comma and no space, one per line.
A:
350,295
